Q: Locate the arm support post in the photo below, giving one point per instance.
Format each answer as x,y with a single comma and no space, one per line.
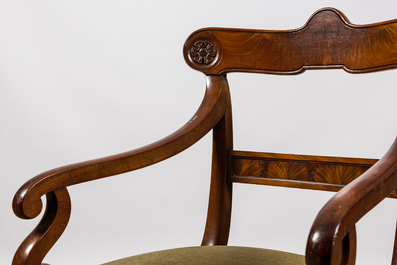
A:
27,203
332,237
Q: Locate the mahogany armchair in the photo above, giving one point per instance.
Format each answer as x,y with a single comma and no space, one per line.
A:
327,41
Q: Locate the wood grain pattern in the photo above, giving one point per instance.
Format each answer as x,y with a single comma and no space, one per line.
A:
220,200
298,171
336,220
27,203
328,40
56,217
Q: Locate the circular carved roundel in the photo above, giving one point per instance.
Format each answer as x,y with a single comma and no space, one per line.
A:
202,51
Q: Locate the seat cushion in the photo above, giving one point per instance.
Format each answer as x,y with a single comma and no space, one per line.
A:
212,255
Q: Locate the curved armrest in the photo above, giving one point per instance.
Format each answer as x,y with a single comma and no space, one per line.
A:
332,237
207,116
27,203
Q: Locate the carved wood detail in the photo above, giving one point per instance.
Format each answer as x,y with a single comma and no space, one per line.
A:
27,200
328,40
55,219
203,51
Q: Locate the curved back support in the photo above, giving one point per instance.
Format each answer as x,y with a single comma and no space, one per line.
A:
328,40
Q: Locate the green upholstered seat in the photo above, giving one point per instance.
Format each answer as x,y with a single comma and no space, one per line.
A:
212,255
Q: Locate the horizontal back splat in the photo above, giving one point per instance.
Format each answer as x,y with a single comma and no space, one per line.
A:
297,171
328,40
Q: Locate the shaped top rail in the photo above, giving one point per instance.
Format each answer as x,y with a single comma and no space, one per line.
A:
327,40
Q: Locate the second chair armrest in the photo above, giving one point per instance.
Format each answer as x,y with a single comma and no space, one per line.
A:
329,238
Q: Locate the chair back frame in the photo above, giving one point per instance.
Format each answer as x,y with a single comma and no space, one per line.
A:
327,41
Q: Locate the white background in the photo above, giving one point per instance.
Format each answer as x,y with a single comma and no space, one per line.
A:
86,79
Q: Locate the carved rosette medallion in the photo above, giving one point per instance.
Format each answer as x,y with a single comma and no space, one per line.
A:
203,51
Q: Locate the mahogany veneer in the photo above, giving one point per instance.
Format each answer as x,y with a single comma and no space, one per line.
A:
328,40
298,171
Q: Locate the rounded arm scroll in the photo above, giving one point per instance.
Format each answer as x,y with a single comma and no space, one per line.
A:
332,237
27,203
43,237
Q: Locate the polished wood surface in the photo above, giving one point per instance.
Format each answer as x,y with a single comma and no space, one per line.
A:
27,203
43,237
328,40
297,171
220,200
338,217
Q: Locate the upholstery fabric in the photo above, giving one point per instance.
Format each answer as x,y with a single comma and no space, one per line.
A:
214,255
